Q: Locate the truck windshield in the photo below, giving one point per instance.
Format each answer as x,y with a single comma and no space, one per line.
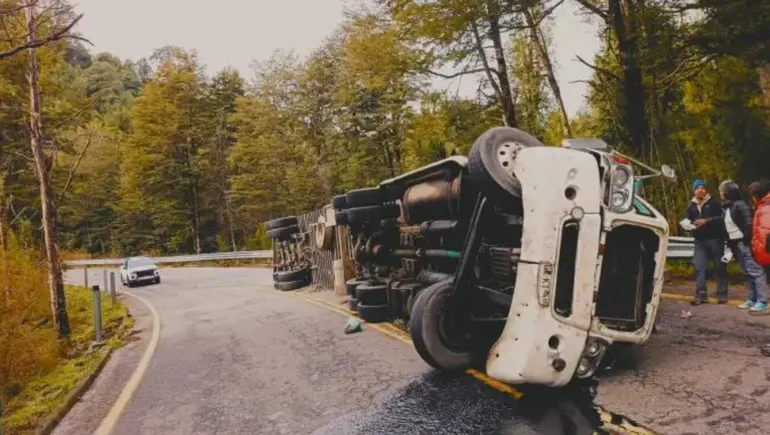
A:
141,262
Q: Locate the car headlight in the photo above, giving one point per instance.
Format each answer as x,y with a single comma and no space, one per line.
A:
133,276
156,272
618,198
620,176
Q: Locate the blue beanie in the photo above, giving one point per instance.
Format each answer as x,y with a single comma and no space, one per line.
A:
698,183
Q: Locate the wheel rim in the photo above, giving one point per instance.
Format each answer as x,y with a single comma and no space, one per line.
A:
506,154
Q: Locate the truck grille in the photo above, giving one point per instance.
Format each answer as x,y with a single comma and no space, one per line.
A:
627,277
145,273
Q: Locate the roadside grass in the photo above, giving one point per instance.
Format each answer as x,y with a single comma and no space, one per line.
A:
683,269
46,392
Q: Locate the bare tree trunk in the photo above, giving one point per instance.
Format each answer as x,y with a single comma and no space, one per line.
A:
43,166
542,48
623,21
763,73
196,219
506,95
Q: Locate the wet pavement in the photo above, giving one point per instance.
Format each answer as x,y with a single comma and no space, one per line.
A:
236,356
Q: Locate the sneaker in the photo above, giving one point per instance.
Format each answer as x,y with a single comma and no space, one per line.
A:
698,301
759,307
746,305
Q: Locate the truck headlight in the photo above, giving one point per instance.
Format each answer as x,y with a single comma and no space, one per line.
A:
156,272
618,198
133,276
620,176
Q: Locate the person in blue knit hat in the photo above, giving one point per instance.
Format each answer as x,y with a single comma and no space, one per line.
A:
705,213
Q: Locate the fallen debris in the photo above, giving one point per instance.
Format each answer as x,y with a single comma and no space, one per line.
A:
353,325
685,314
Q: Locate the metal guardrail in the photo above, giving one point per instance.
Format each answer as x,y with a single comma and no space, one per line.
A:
678,248
240,255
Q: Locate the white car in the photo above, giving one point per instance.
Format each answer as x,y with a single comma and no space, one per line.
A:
139,270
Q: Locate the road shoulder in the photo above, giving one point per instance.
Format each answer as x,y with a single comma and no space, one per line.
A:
95,404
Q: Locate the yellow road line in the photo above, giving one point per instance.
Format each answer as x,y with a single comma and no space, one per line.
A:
108,424
687,298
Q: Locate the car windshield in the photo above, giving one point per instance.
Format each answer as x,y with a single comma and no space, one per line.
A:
141,262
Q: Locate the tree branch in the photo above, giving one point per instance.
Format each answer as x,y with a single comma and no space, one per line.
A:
63,33
73,169
594,9
458,74
599,69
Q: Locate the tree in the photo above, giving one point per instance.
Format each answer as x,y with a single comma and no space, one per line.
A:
43,166
58,16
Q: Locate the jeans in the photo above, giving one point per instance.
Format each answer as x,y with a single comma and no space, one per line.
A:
756,284
705,251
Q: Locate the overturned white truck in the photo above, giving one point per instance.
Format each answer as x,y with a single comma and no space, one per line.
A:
527,261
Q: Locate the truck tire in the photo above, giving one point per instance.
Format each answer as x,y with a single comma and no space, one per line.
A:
291,285
374,213
340,202
353,304
351,286
283,232
291,275
372,294
365,197
490,157
373,313
432,337
281,222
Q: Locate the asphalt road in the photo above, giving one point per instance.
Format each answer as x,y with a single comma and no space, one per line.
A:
236,356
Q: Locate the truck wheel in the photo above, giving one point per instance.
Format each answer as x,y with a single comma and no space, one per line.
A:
353,304
433,336
283,232
365,197
291,275
372,294
351,286
282,222
489,161
374,213
291,285
373,313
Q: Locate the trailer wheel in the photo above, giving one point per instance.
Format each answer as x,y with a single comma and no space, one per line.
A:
372,294
281,222
433,336
340,202
489,161
291,285
291,275
365,197
373,313
351,286
282,233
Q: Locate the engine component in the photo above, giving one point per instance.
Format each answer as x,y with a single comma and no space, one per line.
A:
437,199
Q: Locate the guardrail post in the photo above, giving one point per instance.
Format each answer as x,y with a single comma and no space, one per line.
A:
85,276
104,275
97,312
112,287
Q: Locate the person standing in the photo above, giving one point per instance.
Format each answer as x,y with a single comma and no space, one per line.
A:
705,213
739,224
760,242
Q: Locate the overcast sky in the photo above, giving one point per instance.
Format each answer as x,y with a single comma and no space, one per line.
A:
236,32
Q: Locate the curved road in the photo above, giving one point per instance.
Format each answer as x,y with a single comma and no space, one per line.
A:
236,356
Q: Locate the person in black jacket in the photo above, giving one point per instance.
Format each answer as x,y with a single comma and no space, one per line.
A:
738,230
705,213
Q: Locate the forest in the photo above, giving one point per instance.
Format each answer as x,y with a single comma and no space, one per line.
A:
154,156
